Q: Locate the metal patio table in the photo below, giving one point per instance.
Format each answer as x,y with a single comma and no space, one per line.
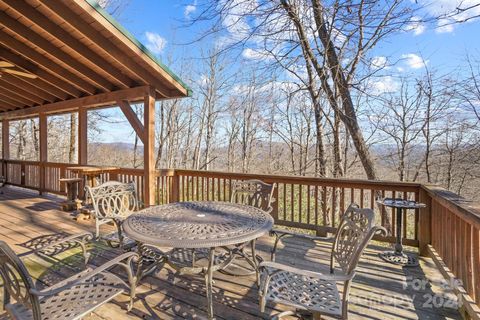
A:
398,256
210,229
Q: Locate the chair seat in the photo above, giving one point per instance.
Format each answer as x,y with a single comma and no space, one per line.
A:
74,302
305,293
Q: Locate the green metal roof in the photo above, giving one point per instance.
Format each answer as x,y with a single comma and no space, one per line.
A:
94,4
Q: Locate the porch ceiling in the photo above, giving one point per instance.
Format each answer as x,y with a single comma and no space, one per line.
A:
75,50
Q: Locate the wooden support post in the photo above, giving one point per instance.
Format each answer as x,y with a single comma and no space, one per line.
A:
43,151
175,188
424,222
82,136
82,144
5,145
149,147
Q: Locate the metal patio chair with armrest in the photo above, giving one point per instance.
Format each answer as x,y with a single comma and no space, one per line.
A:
258,194
113,202
317,292
52,244
71,298
254,193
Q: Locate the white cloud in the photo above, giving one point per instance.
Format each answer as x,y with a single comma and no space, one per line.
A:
385,84
255,54
414,61
379,62
416,25
444,26
234,12
189,9
448,9
155,42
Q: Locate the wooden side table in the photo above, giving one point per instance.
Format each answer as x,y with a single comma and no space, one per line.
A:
72,202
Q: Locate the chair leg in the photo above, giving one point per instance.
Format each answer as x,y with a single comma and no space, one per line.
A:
262,292
97,229
120,234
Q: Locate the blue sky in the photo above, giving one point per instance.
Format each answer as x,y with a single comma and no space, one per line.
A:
156,23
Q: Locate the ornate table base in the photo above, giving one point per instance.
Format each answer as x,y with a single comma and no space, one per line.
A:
197,261
201,237
399,258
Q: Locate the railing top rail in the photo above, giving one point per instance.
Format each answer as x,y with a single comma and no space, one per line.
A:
466,209
132,171
355,183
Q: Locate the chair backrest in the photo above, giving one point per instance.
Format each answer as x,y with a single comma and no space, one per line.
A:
255,193
16,281
356,229
113,199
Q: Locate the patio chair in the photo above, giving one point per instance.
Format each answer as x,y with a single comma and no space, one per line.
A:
249,192
53,244
113,202
253,193
71,298
317,292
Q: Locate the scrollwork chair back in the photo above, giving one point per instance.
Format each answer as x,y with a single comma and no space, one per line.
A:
17,283
254,192
113,201
355,230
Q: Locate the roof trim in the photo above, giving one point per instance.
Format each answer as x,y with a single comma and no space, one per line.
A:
94,4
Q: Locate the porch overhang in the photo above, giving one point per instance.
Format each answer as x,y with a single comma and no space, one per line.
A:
76,53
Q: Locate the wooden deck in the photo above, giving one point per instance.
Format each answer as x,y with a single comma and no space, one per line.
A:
378,291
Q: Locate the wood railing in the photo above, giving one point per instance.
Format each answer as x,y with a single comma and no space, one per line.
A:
447,229
28,174
305,202
455,243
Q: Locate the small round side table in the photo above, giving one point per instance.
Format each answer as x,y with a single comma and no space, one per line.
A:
398,256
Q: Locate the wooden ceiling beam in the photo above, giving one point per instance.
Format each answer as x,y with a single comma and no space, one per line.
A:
21,101
15,90
5,105
35,17
42,74
99,100
36,89
15,104
45,63
87,7
58,56
60,9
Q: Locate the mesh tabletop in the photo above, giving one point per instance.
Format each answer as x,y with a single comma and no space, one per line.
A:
197,224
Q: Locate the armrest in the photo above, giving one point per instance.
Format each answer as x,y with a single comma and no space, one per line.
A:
280,233
81,238
129,256
281,267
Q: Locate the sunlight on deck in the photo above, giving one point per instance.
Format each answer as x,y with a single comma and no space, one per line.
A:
379,291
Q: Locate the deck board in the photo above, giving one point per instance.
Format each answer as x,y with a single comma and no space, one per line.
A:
377,291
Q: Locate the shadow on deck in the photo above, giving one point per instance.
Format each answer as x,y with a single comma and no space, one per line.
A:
379,291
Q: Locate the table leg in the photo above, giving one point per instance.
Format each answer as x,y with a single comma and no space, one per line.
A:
398,244
397,256
208,282
255,262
